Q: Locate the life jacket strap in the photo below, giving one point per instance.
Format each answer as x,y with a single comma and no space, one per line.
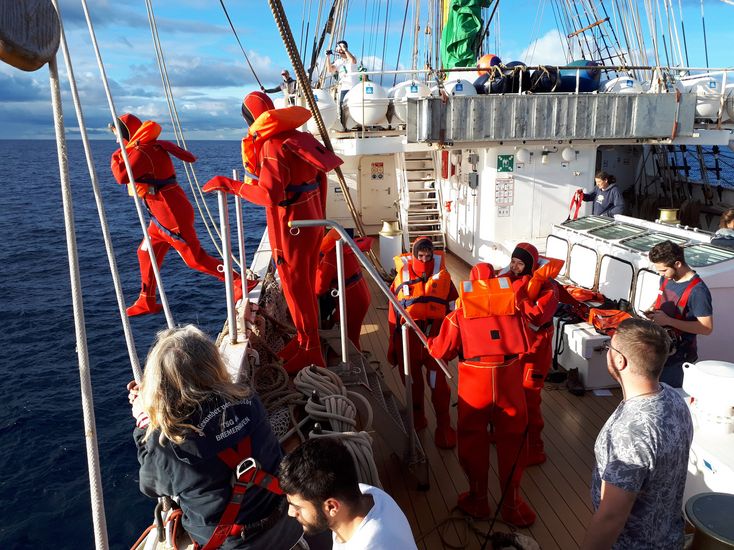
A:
349,281
156,182
298,189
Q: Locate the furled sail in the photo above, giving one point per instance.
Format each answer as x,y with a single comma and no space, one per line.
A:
461,32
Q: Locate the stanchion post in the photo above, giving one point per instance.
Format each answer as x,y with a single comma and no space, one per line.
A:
342,298
408,392
241,241
227,264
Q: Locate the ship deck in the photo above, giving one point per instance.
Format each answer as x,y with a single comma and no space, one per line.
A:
558,490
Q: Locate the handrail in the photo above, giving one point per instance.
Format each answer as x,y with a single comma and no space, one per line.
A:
295,224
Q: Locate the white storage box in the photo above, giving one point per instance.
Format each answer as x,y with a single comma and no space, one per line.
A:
583,349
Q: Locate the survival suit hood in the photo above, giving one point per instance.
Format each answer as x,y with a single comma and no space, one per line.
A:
129,125
254,104
527,254
481,271
422,268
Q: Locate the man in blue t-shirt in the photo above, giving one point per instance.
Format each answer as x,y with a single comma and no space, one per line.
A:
683,306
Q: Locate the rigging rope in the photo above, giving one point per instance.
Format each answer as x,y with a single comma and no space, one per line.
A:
285,32
252,70
117,284
139,209
90,429
194,185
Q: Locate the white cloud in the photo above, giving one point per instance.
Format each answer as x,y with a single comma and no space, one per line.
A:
547,50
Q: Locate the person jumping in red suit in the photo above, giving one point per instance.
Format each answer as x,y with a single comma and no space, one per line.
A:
286,173
537,313
486,332
423,287
357,294
171,213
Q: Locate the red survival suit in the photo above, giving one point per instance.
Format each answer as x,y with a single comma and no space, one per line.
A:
488,335
357,294
425,290
171,213
288,177
537,312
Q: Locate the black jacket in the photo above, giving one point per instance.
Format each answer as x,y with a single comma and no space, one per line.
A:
201,481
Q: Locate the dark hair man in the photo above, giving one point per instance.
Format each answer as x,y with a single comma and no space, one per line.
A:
345,67
683,306
320,483
642,450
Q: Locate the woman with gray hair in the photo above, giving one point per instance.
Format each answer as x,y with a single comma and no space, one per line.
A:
193,427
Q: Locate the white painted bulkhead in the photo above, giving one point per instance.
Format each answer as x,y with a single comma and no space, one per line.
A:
521,193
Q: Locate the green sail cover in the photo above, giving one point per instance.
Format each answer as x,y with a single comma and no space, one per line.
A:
461,32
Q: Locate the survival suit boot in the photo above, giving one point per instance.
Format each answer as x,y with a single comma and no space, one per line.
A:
536,449
445,436
144,305
511,459
474,505
309,353
516,511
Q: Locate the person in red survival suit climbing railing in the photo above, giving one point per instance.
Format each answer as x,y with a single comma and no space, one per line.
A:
286,173
171,213
537,312
423,287
357,293
486,331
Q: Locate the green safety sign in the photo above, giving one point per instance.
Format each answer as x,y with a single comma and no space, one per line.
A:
505,163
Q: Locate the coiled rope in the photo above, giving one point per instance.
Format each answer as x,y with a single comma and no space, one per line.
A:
334,405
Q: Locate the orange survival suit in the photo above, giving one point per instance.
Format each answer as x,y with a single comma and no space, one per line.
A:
287,175
171,213
487,333
425,290
537,312
357,294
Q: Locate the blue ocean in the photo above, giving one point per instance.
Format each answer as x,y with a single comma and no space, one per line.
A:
44,485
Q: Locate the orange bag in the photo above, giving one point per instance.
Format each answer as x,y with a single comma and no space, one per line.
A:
606,321
584,294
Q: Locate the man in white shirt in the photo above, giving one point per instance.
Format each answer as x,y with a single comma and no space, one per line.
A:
345,66
320,483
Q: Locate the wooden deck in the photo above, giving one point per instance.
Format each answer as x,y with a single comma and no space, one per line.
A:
558,490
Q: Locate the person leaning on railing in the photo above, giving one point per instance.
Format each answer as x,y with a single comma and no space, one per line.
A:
193,427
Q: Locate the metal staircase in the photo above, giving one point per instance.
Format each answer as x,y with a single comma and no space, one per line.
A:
420,212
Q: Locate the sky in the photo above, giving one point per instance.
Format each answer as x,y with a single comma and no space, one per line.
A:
207,68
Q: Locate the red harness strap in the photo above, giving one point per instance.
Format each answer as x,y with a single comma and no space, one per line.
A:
247,474
680,305
575,206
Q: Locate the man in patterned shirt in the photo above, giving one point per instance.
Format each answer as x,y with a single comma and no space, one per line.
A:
642,450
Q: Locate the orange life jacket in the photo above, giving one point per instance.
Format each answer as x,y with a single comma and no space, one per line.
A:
489,321
606,321
423,300
487,297
548,268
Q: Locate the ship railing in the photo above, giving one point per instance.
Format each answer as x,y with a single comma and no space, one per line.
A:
227,260
409,323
